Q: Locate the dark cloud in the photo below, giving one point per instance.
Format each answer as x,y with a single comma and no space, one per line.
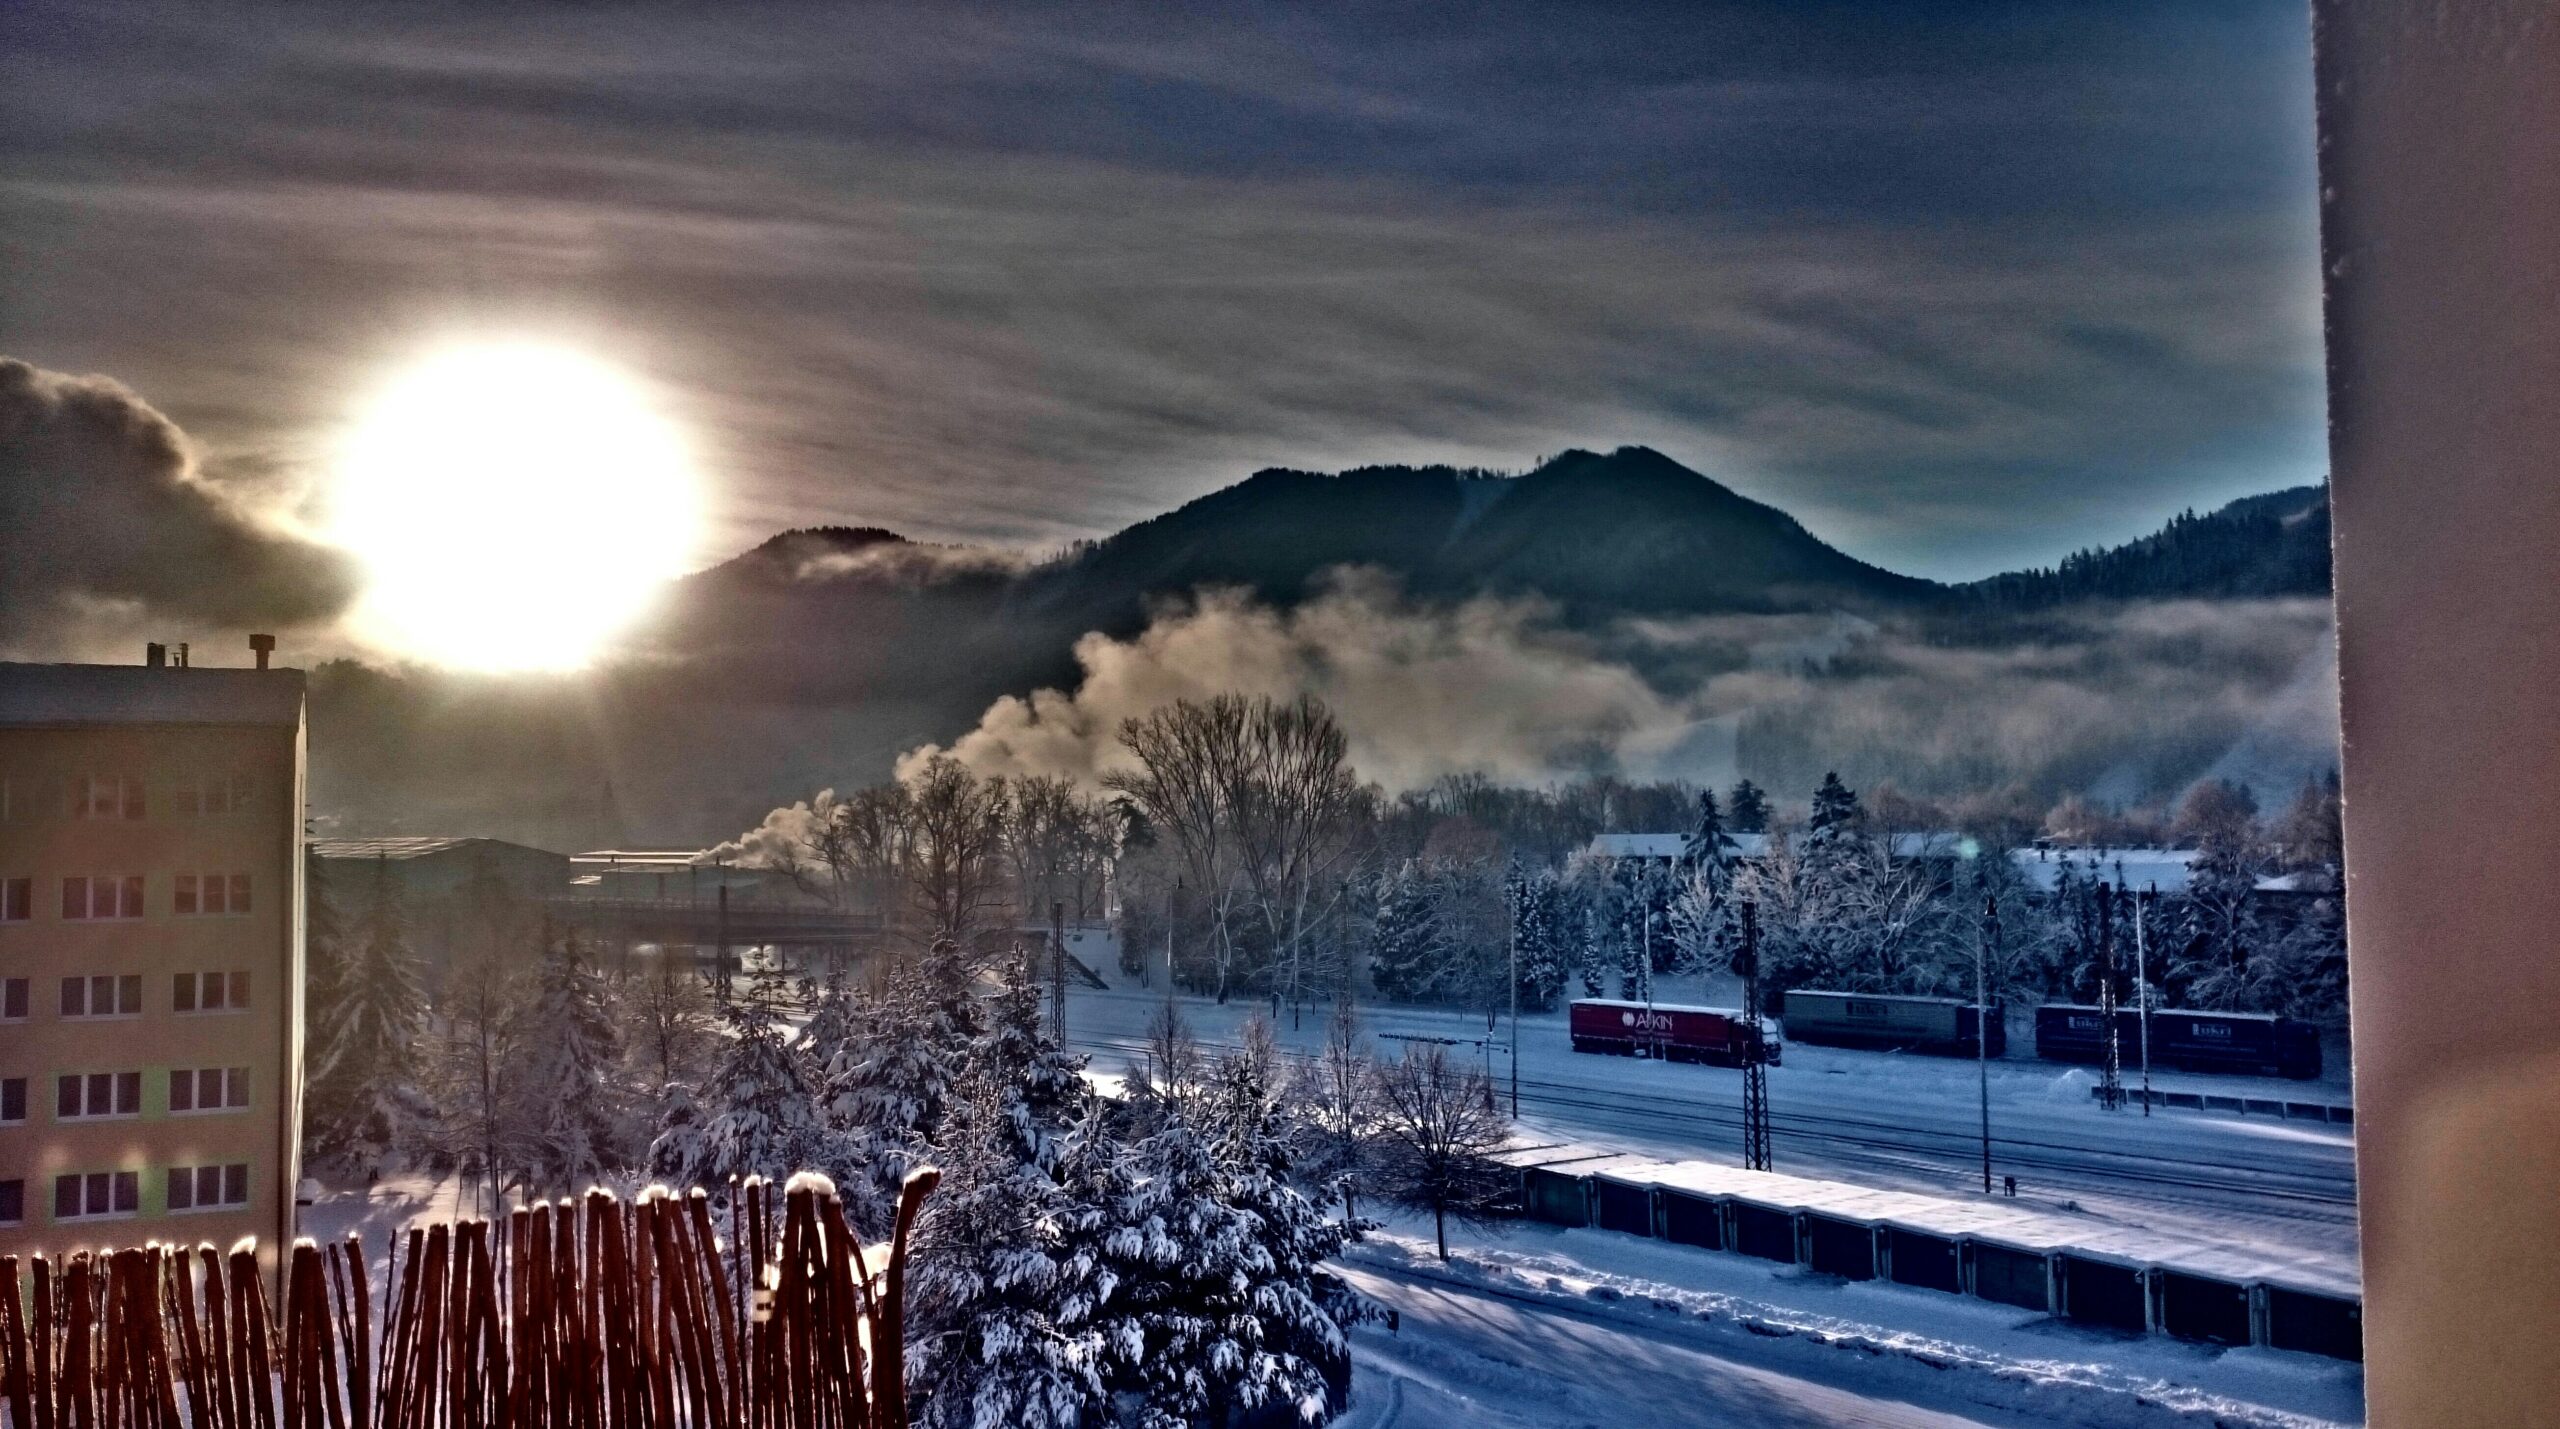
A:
1964,286
111,527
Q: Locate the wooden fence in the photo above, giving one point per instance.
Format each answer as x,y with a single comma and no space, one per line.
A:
594,1314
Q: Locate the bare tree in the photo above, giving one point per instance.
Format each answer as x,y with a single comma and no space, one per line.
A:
1188,753
1258,800
1442,1127
1291,799
955,831
1173,1071
1337,1105
667,1011
1059,843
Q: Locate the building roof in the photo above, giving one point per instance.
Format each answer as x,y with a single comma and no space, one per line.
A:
643,859
406,847
39,696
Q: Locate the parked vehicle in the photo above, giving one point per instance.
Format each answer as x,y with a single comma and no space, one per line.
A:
2246,1043
1721,1035
1944,1025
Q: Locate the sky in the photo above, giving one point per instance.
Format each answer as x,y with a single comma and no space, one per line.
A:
1963,287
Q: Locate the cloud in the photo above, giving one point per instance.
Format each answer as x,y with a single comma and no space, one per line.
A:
1962,289
2135,701
112,527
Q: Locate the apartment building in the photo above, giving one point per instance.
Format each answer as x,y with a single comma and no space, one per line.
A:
150,953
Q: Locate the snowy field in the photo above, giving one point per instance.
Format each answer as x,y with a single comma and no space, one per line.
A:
1895,1121
1547,1327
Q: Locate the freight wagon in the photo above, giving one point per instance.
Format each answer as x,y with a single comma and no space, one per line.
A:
1721,1035
1943,1025
2249,1043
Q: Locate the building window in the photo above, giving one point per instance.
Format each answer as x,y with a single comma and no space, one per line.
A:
105,995
17,899
97,1194
13,1202
208,1188
106,796
109,895
212,894
79,1096
13,999
213,794
13,1100
208,1089
211,992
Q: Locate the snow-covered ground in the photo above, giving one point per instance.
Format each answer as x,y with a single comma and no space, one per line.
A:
1901,1122
1543,1327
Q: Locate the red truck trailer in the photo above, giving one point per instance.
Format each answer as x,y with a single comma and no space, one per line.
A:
1721,1035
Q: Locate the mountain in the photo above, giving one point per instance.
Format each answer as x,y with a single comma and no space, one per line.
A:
1676,541
821,655
2269,545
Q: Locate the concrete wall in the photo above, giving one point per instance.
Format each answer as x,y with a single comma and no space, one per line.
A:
2440,175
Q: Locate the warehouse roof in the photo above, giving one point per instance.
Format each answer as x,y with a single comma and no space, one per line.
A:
410,846
75,695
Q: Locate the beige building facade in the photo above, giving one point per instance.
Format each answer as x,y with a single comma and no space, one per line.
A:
151,950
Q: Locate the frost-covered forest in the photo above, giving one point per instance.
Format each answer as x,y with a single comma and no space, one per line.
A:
1150,1258
1241,850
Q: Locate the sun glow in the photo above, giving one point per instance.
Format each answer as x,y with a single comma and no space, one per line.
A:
515,506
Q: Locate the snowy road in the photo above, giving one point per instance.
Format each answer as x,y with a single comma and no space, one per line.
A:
1468,1356
1897,1121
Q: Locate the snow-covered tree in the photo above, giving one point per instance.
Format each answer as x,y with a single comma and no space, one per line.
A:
366,1013
1410,957
1542,937
757,1116
566,1108
1217,1312
1335,1110
1008,1281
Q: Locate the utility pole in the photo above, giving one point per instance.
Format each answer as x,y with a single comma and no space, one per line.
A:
2142,992
1981,1022
1755,1065
2111,1079
1058,971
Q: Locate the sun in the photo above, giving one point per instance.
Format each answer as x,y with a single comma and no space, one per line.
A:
514,506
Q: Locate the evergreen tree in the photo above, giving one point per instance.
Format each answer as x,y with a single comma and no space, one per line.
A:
1410,958
756,1118
1707,844
1008,1279
1748,811
565,1117
1835,812
364,1101
1217,1311
1540,927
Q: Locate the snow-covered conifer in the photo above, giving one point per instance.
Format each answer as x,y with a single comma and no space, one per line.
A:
367,1008
566,1112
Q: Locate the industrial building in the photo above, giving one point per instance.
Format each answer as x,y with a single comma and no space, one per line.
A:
150,953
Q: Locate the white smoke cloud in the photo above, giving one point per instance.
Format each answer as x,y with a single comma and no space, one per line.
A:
2145,697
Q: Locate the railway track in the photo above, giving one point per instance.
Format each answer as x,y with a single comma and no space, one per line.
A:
2299,1193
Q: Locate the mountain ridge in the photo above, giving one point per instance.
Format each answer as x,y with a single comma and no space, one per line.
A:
1678,541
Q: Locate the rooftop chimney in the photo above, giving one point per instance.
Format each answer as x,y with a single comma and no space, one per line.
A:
263,646
154,655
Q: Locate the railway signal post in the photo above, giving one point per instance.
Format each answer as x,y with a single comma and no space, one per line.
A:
1982,1024
1755,1063
2111,1077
